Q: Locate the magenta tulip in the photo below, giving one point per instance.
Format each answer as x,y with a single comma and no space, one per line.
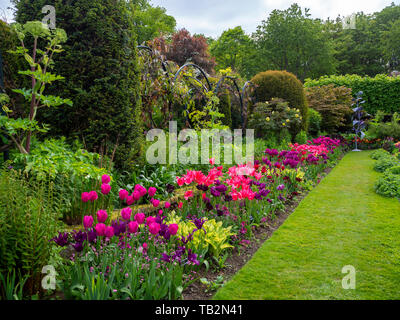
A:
100,229
109,232
105,188
156,203
130,200
133,226
93,196
139,217
167,205
152,191
150,220
105,178
123,194
102,216
126,213
85,197
87,221
173,228
154,228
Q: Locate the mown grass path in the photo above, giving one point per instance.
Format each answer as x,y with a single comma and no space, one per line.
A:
341,222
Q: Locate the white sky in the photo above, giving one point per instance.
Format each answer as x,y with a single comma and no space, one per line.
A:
212,17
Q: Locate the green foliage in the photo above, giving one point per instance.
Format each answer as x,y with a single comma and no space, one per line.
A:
314,122
291,40
72,170
380,153
285,85
275,118
382,130
334,105
301,137
385,162
28,220
388,184
101,76
380,93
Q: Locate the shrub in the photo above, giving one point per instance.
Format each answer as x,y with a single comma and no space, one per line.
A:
383,130
275,118
385,163
388,185
102,77
301,137
333,103
380,93
380,153
28,215
285,85
314,122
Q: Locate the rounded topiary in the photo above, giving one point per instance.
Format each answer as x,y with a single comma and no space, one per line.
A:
281,84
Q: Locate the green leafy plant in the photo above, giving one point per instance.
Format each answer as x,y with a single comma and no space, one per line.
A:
213,285
385,162
380,153
40,61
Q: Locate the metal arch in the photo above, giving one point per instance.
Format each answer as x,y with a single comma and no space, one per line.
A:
198,68
247,84
163,63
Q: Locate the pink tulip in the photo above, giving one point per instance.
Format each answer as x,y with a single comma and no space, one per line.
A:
154,228
152,191
136,195
150,220
173,229
130,200
105,188
139,217
212,161
126,213
133,226
160,212
188,194
180,205
144,245
102,216
93,196
100,229
85,197
87,221
105,178
156,203
123,194
167,205
109,232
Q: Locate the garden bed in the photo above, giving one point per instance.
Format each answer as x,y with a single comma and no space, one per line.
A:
239,257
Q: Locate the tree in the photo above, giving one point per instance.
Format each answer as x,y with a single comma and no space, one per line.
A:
186,48
150,22
290,40
101,76
231,49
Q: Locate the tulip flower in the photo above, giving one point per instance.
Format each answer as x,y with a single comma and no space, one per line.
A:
188,194
130,200
105,178
123,194
87,222
105,188
140,217
156,203
173,228
93,196
133,226
109,232
85,197
180,205
126,213
154,228
102,216
167,205
152,191
100,229
150,220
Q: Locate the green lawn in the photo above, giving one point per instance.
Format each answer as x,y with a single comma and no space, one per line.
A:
341,222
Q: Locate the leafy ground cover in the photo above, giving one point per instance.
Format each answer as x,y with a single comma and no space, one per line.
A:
341,222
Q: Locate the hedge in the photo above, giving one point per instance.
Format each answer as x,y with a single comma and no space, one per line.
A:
380,93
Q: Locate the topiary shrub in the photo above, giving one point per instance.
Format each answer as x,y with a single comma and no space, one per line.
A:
99,63
281,84
275,118
334,105
314,122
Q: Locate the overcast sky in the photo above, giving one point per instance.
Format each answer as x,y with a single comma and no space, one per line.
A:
211,17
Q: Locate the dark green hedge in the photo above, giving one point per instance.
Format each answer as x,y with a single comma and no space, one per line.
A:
101,75
380,93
